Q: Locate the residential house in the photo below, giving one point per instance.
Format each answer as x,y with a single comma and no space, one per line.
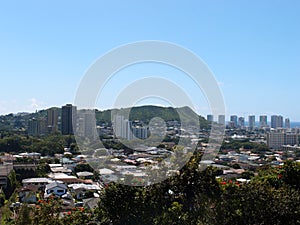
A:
39,182
55,188
27,194
81,189
85,175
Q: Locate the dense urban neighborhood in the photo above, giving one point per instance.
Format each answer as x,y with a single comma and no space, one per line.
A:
47,174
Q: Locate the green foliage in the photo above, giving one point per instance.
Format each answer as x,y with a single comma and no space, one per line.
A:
25,173
195,197
146,113
183,199
12,144
83,168
49,145
2,198
257,203
246,144
247,175
291,174
24,217
43,169
236,166
48,212
12,183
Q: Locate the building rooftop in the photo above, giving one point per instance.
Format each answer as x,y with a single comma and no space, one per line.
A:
5,170
106,171
56,184
37,180
84,174
84,186
61,176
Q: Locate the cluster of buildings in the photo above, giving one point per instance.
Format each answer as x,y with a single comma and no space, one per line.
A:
57,120
282,139
125,129
68,120
278,133
74,188
240,122
65,120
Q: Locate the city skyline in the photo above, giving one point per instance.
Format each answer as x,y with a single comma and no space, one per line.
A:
253,52
238,121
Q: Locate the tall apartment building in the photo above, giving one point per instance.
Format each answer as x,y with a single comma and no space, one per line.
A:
287,123
276,121
86,123
234,120
52,120
241,122
263,121
90,124
251,121
37,127
118,125
221,119
68,113
210,118
42,122
122,127
33,127
140,132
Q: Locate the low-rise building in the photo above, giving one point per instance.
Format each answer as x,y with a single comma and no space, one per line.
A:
55,188
81,189
27,194
39,182
5,171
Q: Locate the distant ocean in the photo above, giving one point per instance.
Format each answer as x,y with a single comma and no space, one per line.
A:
293,124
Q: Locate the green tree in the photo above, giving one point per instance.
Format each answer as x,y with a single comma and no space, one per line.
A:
25,216
83,168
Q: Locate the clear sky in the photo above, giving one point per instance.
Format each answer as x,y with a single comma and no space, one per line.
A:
252,47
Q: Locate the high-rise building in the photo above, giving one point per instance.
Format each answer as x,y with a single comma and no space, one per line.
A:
68,114
221,119
276,121
122,127
275,140
241,122
52,120
118,124
42,123
287,123
86,123
33,127
90,124
140,132
210,118
280,121
263,121
234,120
37,127
251,121
127,133
291,139
279,138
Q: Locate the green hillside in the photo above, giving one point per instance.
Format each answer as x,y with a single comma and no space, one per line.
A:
146,113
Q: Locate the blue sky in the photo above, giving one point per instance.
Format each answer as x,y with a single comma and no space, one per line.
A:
252,47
